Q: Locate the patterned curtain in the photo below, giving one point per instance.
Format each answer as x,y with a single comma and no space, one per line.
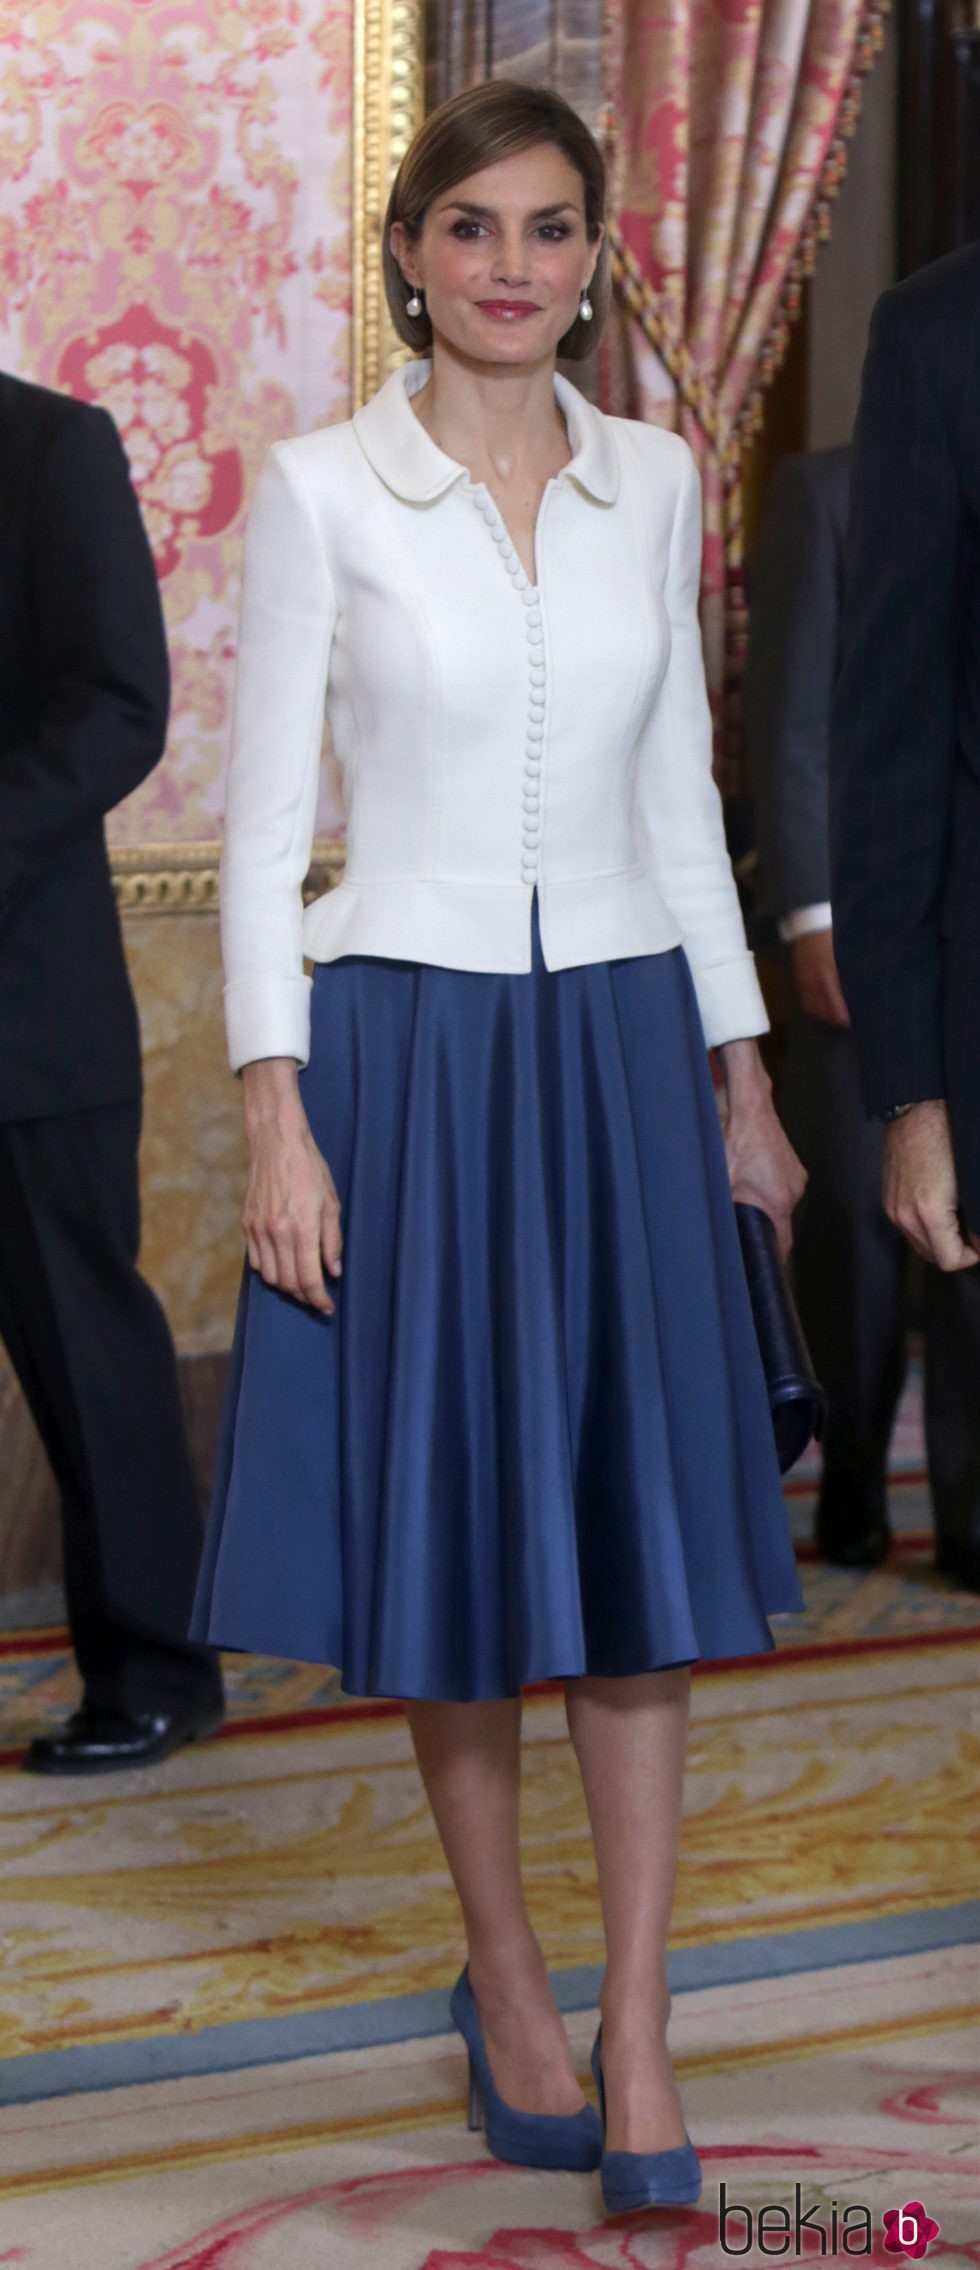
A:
727,127
557,41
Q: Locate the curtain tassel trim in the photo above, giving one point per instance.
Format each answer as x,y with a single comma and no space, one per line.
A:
727,438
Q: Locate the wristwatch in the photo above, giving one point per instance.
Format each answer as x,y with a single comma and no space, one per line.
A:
895,1111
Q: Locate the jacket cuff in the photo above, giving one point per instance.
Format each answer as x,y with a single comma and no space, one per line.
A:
730,1001
913,1073
267,1016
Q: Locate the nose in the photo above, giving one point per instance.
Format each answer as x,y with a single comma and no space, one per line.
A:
510,263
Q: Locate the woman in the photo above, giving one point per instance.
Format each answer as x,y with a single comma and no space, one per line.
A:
527,1436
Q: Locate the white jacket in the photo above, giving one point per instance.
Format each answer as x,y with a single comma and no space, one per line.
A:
490,735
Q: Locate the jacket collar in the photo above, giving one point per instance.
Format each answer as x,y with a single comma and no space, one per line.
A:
410,463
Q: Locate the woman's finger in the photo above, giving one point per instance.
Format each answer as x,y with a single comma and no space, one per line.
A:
265,1261
309,1271
779,1214
283,1234
331,1239
784,1234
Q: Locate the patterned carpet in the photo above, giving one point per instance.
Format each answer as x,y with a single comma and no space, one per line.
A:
223,1986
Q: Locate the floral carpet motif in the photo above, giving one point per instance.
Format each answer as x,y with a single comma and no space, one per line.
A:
223,1985
860,2086
299,1872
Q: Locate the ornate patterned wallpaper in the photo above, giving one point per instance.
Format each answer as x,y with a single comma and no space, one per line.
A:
175,244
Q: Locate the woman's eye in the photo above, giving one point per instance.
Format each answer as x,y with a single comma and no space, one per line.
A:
466,228
554,231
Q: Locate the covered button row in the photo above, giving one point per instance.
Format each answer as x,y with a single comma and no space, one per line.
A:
484,504
534,628
535,736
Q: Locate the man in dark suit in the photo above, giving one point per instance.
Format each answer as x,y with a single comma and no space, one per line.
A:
905,775
83,708
849,1259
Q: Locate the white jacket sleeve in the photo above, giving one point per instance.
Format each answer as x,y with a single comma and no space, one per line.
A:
286,626
678,817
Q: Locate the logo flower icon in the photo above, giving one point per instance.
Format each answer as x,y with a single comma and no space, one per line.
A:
909,2229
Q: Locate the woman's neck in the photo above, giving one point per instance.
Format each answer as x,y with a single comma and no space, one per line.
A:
494,420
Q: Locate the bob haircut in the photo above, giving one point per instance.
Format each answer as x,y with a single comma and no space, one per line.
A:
475,129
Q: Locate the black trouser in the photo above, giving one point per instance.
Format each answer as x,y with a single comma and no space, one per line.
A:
91,1348
851,1273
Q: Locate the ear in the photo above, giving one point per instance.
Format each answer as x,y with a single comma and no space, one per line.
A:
596,249
404,250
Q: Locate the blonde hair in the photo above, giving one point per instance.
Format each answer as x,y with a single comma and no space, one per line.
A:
475,129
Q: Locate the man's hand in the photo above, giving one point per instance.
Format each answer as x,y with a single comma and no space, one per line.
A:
818,985
919,1186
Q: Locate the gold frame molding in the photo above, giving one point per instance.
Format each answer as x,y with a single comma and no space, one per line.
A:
389,102
182,878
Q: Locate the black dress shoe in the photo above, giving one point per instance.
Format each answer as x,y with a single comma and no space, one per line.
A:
97,1739
959,1557
852,1529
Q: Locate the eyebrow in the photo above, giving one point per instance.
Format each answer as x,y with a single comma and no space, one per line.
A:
487,213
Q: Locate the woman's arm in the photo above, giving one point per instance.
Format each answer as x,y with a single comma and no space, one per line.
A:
292,1213
286,629
678,816
680,824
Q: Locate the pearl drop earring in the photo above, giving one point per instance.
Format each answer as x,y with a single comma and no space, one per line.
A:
413,305
585,307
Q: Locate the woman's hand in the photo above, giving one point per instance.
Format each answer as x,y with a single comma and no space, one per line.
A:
762,1165
292,1212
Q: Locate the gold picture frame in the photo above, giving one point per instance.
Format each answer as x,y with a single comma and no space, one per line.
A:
388,107
389,103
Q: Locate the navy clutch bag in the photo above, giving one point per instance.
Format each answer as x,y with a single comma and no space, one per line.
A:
796,1399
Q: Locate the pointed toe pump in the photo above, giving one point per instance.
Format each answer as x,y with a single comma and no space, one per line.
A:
531,2139
644,2179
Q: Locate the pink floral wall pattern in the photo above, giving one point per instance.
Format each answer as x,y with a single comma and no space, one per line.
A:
174,243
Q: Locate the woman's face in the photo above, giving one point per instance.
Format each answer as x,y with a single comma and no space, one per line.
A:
503,258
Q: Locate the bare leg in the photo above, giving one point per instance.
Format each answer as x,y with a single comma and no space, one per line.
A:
469,1759
629,1737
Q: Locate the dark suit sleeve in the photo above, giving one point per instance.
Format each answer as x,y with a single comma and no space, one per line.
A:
893,733
788,684
101,652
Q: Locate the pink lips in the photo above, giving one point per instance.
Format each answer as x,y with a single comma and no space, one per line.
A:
509,311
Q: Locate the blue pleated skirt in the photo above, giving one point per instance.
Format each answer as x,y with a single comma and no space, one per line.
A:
534,1440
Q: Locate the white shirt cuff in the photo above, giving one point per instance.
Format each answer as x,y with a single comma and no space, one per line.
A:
804,919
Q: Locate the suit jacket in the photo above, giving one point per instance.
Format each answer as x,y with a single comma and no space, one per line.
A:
83,711
795,615
493,736
905,772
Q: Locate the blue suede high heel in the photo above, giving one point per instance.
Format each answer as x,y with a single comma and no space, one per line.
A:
644,2179
531,2139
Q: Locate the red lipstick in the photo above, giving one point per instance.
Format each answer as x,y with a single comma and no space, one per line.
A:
509,311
